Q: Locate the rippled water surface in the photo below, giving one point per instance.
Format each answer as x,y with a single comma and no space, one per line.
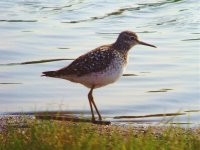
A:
41,35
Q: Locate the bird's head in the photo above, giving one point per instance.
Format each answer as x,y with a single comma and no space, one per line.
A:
128,39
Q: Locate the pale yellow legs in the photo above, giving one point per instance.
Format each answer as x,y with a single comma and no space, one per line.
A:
91,102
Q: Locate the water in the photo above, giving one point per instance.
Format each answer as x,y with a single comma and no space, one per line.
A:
165,80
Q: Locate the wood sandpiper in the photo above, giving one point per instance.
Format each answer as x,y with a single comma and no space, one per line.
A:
99,67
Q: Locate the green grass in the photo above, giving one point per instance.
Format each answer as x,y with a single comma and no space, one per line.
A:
59,135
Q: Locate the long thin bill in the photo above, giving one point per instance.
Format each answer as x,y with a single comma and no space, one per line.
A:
143,43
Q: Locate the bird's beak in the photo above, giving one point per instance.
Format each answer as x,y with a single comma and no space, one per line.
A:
143,43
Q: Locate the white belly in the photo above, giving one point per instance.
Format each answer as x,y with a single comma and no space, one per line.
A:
98,79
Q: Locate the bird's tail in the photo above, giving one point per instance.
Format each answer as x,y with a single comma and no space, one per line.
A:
49,73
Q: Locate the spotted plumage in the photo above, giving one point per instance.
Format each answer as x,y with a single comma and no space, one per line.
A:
93,61
99,67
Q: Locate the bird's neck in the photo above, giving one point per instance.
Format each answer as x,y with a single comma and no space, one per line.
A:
121,47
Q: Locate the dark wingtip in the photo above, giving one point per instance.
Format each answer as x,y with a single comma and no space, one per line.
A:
49,73
43,75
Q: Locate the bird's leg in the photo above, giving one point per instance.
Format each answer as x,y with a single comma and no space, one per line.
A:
92,100
100,118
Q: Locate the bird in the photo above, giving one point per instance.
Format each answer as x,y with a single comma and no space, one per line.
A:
99,67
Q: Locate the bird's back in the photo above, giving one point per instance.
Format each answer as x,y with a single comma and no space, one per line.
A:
93,61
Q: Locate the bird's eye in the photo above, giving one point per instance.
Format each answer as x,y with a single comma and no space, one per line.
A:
132,38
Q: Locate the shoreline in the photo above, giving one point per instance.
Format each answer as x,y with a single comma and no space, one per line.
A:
25,121
156,119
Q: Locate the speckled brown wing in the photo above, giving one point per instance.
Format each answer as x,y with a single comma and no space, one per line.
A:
93,61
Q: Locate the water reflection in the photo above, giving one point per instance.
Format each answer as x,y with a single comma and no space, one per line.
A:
120,11
161,90
151,115
129,74
9,83
18,20
191,39
37,61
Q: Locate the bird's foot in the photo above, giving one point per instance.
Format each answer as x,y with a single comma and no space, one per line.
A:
93,119
101,122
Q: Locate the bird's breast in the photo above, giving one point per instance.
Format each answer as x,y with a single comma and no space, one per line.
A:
106,76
